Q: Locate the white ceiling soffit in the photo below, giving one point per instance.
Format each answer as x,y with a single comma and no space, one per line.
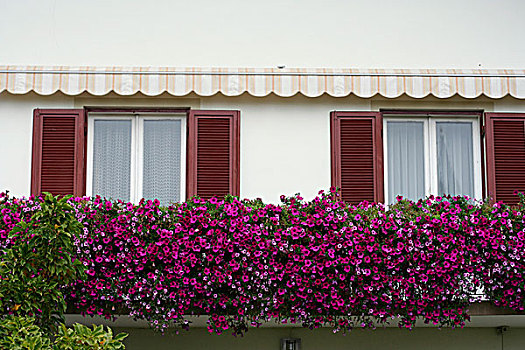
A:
287,82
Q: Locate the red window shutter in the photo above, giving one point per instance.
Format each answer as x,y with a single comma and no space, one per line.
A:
58,152
505,146
213,153
357,155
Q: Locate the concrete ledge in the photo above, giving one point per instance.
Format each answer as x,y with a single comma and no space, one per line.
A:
123,321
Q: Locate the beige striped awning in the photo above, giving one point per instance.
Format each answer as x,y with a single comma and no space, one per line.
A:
261,82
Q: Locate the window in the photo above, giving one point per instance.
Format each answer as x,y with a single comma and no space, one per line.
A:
130,157
431,155
145,153
377,156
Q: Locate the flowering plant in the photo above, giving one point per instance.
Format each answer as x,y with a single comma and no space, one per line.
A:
36,265
319,262
38,261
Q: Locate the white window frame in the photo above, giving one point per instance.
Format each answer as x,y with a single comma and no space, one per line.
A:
430,151
137,149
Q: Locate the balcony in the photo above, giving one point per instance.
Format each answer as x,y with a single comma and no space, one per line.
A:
318,263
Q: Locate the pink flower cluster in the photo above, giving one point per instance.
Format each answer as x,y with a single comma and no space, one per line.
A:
317,263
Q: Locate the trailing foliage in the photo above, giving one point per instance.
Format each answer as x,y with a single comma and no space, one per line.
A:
321,262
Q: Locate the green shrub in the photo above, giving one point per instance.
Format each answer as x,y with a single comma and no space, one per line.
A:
22,333
34,271
80,337
40,263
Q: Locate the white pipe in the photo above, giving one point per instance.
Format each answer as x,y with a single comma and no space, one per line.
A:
327,74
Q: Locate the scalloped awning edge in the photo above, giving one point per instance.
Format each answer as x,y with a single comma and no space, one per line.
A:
150,81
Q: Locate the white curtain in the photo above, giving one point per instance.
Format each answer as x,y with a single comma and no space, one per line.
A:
406,162
112,158
162,160
454,158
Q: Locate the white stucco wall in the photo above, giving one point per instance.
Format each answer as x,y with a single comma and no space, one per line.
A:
285,144
297,33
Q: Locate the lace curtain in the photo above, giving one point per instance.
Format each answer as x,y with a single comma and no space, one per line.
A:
406,162
162,160
112,158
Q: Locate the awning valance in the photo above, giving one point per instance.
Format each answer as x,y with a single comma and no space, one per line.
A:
261,82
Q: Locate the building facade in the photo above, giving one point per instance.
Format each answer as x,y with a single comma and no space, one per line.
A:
83,111
171,134
253,133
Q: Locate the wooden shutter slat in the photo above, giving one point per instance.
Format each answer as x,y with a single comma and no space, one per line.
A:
357,157
213,153
58,152
505,143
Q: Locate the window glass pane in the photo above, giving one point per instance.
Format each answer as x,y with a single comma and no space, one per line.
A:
112,158
162,160
454,158
406,163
